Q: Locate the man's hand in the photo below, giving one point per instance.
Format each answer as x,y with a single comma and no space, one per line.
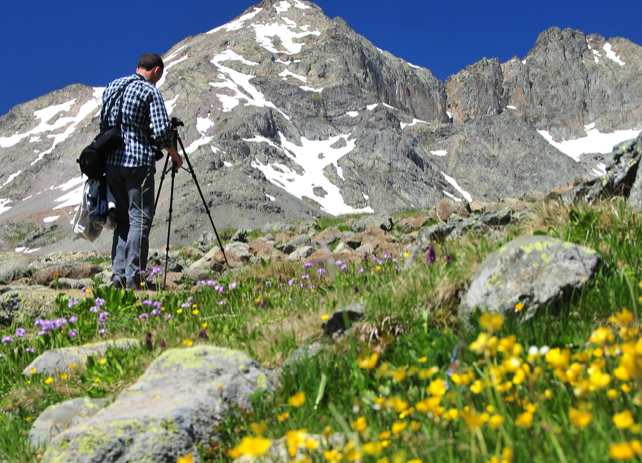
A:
177,158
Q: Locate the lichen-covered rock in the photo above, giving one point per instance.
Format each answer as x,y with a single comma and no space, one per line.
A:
56,418
531,270
59,360
176,404
343,317
378,220
12,269
26,303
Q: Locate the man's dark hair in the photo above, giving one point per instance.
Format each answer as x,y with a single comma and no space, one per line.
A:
150,61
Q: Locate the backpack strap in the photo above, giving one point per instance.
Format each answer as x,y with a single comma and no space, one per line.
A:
119,119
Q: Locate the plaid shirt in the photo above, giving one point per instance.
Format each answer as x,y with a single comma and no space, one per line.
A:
144,116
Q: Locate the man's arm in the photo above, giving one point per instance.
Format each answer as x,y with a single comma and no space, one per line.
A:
162,127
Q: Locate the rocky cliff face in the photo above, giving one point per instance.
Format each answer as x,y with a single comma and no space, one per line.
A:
290,114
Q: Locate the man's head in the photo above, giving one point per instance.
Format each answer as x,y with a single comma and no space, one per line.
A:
151,66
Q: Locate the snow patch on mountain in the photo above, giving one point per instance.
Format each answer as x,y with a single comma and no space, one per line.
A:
307,157
203,124
287,73
467,196
414,122
4,205
310,89
75,186
169,66
11,177
610,54
237,24
594,142
235,81
285,32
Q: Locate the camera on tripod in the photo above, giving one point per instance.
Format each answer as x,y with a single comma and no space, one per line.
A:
176,123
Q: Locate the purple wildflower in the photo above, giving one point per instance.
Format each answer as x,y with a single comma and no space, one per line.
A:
344,267
301,285
143,316
338,263
102,317
321,271
30,349
308,265
431,257
20,332
305,276
146,302
158,304
60,322
355,288
387,256
100,302
163,344
361,271
148,340
290,282
449,259
94,309
7,339
395,260
233,285
73,319
142,272
73,333
268,284
223,302
202,335
398,268
71,303
186,305
155,270
156,312
367,287
167,317
102,331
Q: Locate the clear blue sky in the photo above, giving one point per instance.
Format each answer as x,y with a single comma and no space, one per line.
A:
47,45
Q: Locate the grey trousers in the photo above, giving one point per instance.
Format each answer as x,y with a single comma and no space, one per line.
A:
133,189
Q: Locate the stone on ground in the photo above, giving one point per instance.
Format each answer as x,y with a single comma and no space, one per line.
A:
12,269
176,404
531,270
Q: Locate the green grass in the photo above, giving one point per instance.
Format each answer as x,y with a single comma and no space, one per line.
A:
411,323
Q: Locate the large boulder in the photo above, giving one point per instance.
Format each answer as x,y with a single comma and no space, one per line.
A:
176,404
532,270
378,220
12,269
76,271
56,418
59,360
26,303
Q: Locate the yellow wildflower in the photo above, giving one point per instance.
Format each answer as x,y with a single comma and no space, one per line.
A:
451,414
427,373
187,459
600,380
372,449
360,424
332,455
525,420
204,325
254,446
579,418
49,380
368,363
187,342
297,399
32,371
496,421
63,376
179,311
519,307
623,420
311,444
398,426
325,317
622,319
601,335
259,428
491,322
415,425
558,358
474,420
477,387
399,374
437,388
611,394
423,359
283,416
625,450
484,344
384,435
295,438
102,362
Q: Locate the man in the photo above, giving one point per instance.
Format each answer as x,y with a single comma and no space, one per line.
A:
130,168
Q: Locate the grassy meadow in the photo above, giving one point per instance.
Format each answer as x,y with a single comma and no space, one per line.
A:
408,383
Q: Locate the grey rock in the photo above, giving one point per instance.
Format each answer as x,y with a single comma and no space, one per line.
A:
532,270
342,318
70,283
382,221
19,305
156,258
342,247
241,250
56,418
366,248
240,236
60,359
298,242
197,274
301,253
327,236
306,351
278,227
177,403
12,269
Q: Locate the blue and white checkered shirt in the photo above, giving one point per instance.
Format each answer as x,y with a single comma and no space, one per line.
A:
144,116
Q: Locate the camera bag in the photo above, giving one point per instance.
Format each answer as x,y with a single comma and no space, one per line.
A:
92,158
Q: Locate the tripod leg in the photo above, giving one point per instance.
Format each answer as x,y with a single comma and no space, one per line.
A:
198,187
169,225
160,185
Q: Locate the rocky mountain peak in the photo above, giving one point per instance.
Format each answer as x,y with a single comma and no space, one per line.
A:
291,115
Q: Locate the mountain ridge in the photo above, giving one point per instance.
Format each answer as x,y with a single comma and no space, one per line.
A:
262,95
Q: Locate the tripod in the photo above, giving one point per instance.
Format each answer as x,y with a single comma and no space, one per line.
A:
176,123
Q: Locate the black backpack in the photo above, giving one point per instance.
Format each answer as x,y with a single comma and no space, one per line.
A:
92,158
